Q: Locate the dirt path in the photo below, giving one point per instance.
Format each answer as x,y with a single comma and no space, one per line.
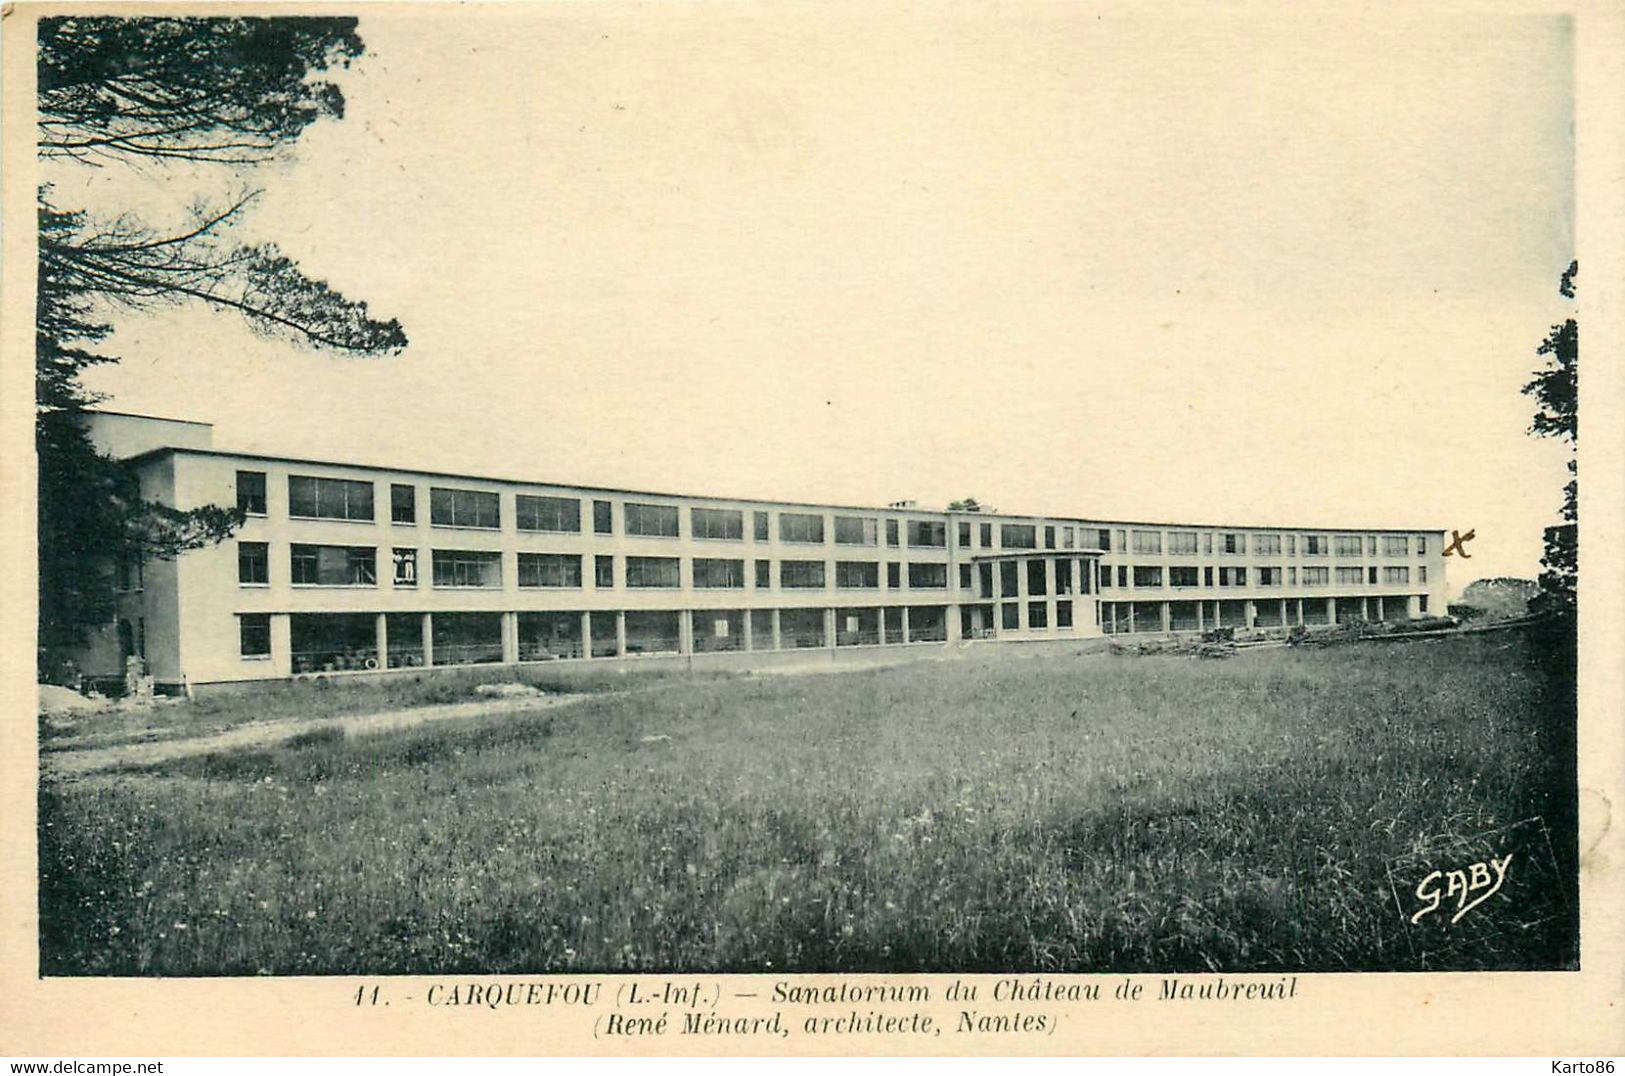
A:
71,762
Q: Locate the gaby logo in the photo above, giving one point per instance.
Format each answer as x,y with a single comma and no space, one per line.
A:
1470,886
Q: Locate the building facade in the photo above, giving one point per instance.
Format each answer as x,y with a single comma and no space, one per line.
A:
345,568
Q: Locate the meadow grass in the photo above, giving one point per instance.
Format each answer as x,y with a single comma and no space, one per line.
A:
1065,813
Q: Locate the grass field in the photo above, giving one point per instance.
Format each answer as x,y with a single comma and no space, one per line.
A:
1070,813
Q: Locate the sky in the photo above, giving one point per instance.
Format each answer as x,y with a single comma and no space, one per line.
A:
1205,269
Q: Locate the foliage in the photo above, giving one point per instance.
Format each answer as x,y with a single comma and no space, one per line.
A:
1058,813
226,92
969,504
1556,391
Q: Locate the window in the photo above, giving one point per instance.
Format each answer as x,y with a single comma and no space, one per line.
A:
1063,614
1018,536
856,530
251,492
927,576
1267,545
1314,545
1371,545
403,503
1396,575
334,565
801,527
128,572
406,566
1269,577
653,571
857,574
1009,578
1232,577
603,571
1105,576
927,534
1037,578
965,582
561,515
1207,543
1184,576
801,574
1233,543
603,518
1351,577
1010,616
651,521
329,498
719,574
891,533
1063,577
1182,542
1103,539
764,574
1207,576
1069,538
1421,544
721,524
1049,537
1037,615
1292,545
1424,603
464,508
254,632
759,522
1147,542
1147,577
1315,577
254,563
964,535
1346,545
985,534
549,569
1122,575
1292,577
467,568
1396,545
1422,574
894,575
1373,572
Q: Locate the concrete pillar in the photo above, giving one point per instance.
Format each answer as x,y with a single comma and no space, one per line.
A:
1284,620
282,644
904,611
1200,619
951,615
778,642
750,634
1131,618
428,640
880,624
1021,595
1249,613
685,631
1167,618
1413,606
620,633
510,638
829,626
381,639
1379,606
1331,610
586,635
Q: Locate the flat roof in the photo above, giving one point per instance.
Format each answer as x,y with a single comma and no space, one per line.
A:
155,453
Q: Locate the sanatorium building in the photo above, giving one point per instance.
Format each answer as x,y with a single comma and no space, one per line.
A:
343,568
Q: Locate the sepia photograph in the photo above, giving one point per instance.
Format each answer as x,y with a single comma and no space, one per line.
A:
1025,491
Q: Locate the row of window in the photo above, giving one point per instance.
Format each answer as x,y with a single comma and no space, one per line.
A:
357,566
1143,576
339,498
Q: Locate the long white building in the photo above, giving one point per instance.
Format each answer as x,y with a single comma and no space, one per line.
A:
349,568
